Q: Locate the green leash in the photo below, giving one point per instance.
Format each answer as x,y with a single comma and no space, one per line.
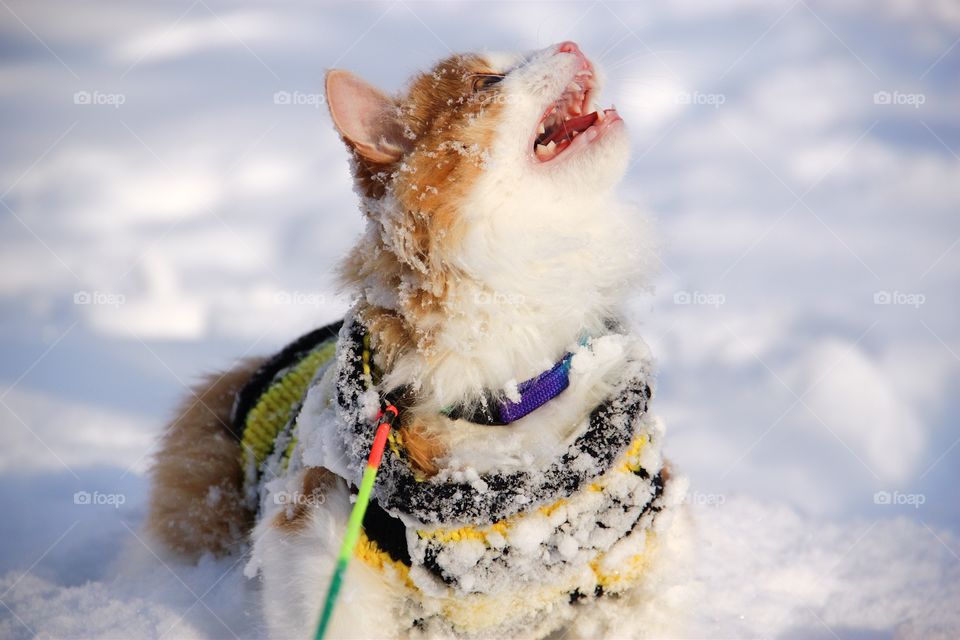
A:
389,414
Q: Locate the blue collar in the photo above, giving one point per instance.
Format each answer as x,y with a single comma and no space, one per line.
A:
496,409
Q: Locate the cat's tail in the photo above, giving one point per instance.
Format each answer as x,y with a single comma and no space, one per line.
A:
196,502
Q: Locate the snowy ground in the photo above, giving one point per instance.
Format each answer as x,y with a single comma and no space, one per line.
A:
172,198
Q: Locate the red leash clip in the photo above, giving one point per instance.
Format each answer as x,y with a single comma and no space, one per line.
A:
389,413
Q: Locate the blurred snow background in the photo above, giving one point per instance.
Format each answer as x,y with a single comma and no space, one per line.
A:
172,198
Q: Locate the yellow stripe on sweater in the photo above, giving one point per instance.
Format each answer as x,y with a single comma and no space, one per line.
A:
275,406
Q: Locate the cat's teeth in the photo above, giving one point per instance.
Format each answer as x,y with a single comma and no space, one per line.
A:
541,129
600,115
545,151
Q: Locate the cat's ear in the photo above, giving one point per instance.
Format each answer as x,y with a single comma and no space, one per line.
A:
365,117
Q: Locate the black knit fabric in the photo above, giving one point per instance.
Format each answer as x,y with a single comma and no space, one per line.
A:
433,501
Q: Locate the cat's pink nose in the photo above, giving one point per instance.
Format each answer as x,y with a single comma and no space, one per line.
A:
571,47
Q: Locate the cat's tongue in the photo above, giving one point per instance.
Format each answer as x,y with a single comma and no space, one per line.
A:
566,129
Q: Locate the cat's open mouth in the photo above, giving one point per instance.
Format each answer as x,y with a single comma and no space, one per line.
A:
570,123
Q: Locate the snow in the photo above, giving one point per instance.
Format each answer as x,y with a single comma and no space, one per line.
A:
148,598
511,391
864,576
790,405
762,570
530,533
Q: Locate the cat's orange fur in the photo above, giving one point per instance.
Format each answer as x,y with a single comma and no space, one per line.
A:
196,501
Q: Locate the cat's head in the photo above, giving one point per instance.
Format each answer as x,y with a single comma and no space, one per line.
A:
489,178
530,121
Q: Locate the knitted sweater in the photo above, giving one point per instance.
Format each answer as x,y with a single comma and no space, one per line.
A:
506,552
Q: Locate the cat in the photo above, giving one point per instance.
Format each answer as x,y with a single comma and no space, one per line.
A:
524,491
